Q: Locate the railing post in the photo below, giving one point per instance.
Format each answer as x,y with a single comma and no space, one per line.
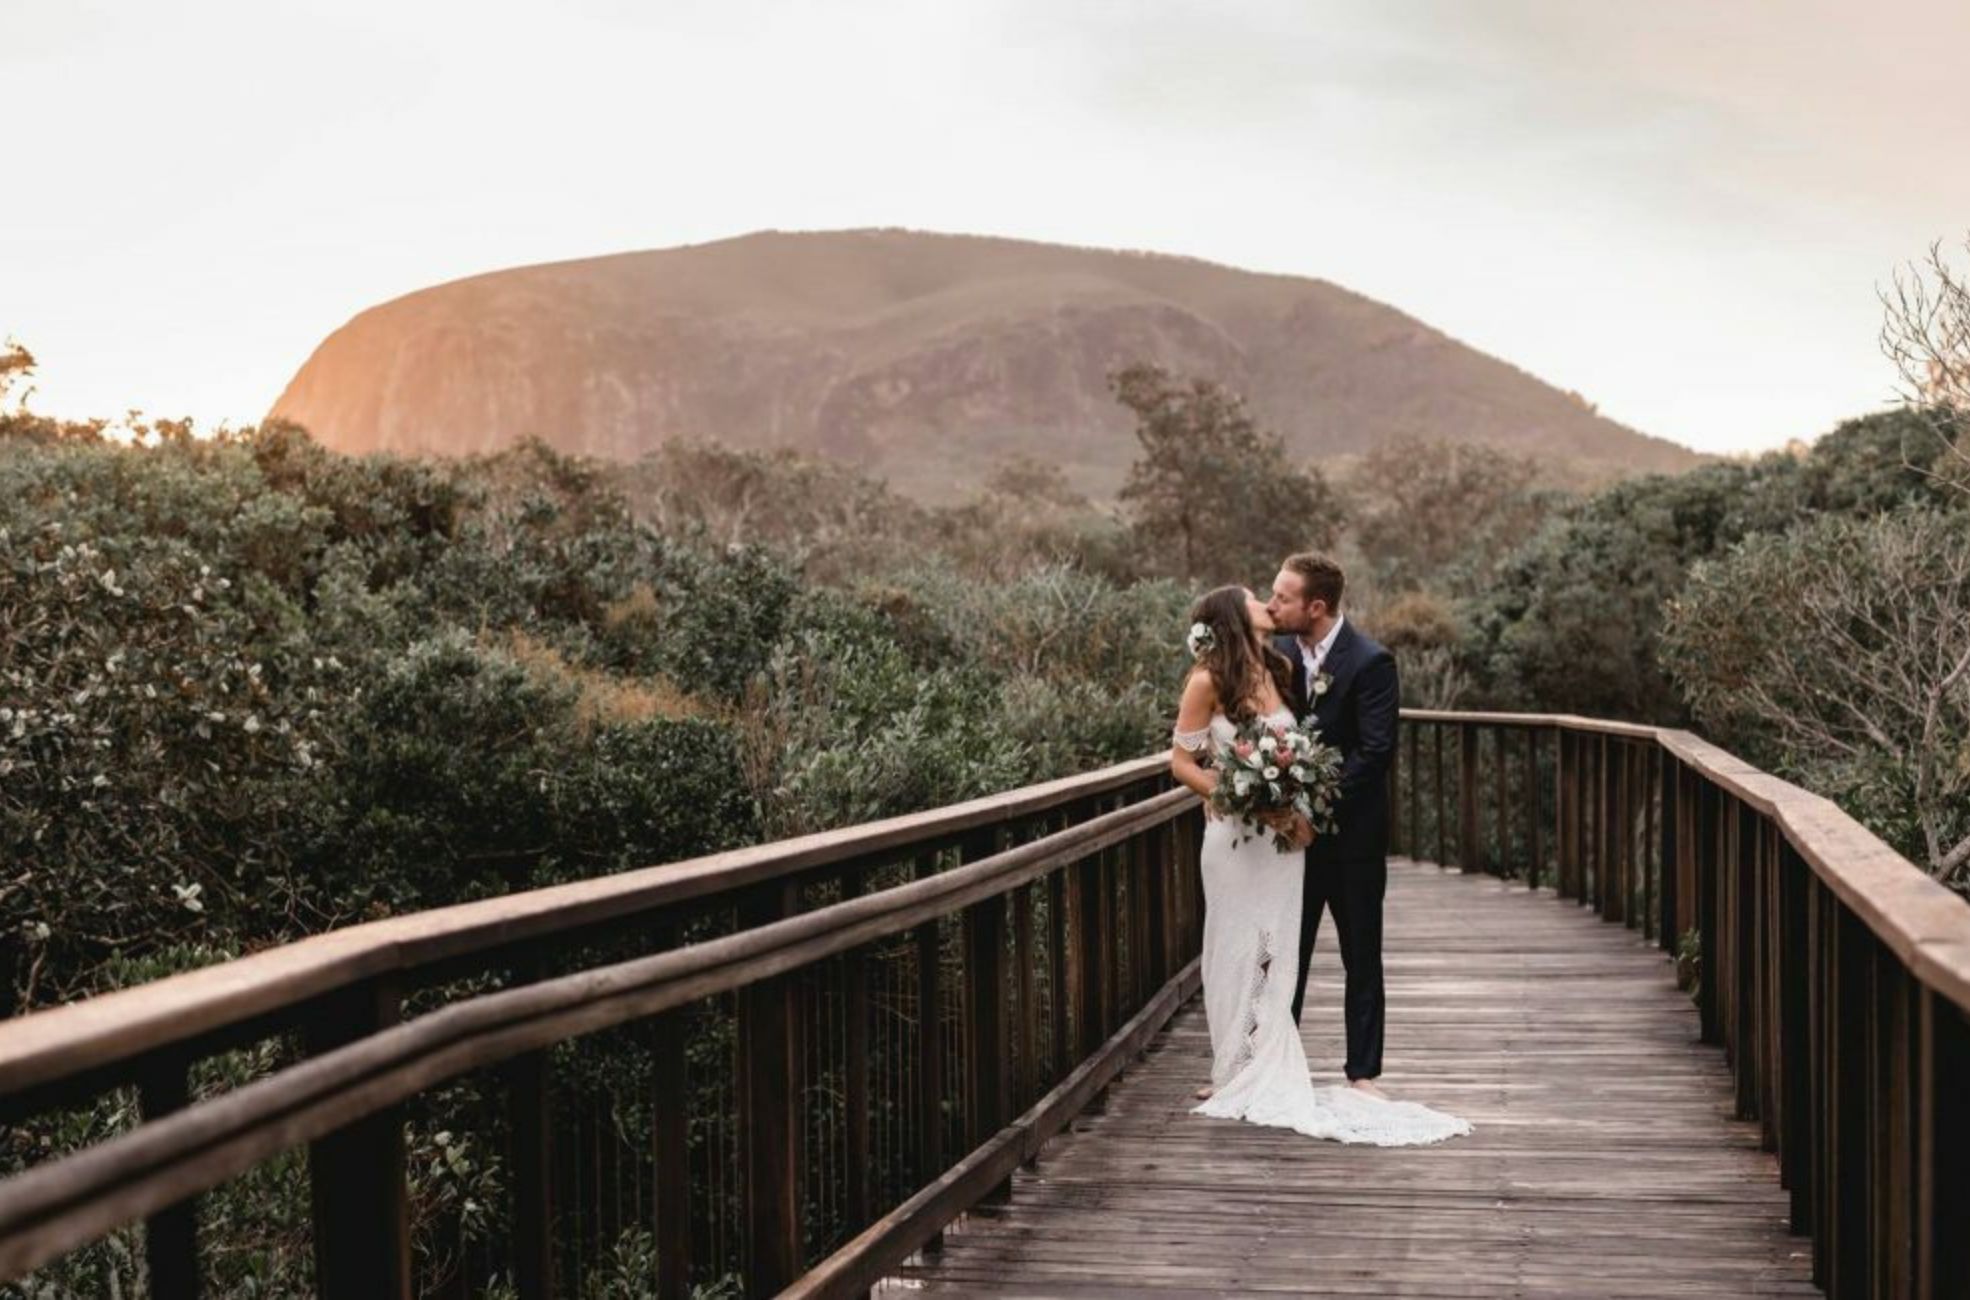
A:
1089,964
985,978
1057,966
1821,1004
1669,780
1503,793
1534,863
1470,856
1744,963
1566,794
529,1100
1891,1172
1942,1178
356,1174
1135,862
1442,798
1413,842
1709,890
1795,1064
1157,887
770,1130
1026,1083
930,1046
1393,783
170,1235
1849,1106
855,1075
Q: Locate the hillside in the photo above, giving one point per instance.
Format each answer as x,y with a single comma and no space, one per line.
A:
926,358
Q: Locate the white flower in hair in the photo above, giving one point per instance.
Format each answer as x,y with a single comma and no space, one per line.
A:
1201,640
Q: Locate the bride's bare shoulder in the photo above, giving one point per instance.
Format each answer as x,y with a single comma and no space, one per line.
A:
1199,691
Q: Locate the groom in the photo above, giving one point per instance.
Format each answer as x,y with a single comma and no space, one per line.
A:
1345,684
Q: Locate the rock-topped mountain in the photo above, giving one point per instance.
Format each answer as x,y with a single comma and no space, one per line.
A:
925,358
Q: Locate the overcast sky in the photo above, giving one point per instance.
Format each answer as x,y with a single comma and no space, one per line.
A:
1681,209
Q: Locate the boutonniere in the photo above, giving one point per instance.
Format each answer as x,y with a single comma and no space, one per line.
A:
1321,681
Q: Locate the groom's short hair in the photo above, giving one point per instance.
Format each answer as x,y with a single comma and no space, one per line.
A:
1320,577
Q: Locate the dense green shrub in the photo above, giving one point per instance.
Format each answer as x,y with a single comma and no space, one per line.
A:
1571,621
1838,653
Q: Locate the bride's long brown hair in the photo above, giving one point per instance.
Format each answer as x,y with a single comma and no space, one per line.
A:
1239,659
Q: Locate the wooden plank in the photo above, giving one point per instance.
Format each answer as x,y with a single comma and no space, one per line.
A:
864,1260
1650,1190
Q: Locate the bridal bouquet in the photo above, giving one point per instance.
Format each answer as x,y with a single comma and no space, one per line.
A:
1272,768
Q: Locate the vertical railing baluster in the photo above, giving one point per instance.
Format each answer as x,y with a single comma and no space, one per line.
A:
670,1136
1502,799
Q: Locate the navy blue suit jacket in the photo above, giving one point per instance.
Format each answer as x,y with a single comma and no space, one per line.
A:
1358,715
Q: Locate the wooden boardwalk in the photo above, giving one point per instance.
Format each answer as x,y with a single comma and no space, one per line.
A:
1606,1161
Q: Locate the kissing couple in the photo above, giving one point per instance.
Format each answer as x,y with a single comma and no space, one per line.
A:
1295,659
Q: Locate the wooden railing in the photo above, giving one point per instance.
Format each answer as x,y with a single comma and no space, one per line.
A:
895,1016
1835,974
834,1045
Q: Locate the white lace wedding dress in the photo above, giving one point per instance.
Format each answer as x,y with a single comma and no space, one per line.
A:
1251,941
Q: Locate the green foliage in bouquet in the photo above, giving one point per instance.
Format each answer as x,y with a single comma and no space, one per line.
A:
1268,770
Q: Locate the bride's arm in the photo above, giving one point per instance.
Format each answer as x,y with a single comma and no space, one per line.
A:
1192,738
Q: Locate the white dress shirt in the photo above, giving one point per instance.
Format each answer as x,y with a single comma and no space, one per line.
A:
1315,655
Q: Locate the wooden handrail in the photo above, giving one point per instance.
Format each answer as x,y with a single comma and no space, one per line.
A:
115,1028
56,1207
1783,887
1925,924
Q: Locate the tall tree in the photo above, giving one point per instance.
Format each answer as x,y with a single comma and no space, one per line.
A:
1212,494
1442,514
1926,333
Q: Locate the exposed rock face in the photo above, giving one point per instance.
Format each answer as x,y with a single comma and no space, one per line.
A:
925,358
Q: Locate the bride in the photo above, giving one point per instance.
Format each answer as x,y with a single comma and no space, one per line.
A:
1252,907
